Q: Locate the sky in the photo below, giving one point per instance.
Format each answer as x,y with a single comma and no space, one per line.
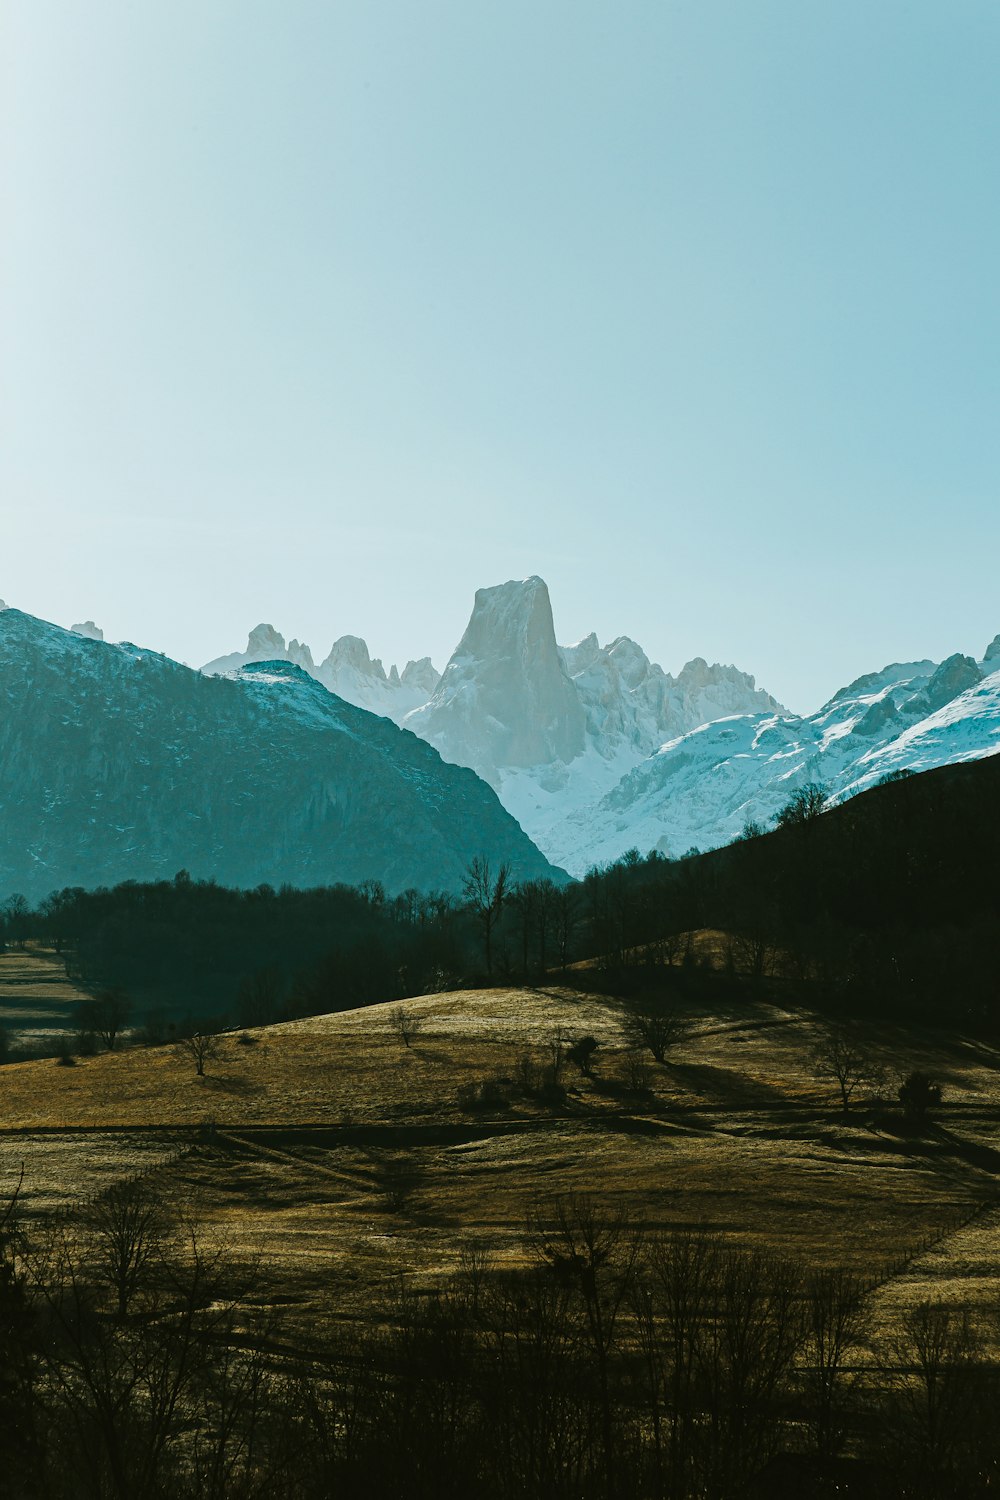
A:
328,312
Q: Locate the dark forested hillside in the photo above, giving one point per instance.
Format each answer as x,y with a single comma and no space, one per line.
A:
890,903
890,900
119,764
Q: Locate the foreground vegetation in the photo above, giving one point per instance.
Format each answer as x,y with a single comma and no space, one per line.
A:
433,1254
612,1362
679,1183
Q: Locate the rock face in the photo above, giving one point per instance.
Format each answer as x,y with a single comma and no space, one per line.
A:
630,701
349,671
505,699
117,763
89,629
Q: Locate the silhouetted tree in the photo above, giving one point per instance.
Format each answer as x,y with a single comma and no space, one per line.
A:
919,1094
485,894
656,1027
582,1053
405,1023
566,905
841,1058
105,1016
259,998
202,1047
128,1233
803,806
17,918
837,1319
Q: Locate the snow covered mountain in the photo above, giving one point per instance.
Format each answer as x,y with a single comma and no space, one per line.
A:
552,728
349,671
703,787
595,749
117,763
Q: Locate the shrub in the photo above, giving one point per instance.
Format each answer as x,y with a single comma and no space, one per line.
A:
483,1093
918,1094
637,1073
582,1054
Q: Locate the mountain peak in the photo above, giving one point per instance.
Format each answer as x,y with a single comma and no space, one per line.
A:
512,614
265,644
352,652
505,698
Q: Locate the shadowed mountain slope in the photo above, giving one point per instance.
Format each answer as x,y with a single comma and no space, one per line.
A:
117,763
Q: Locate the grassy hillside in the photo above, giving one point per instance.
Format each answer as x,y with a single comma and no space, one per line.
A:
345,1158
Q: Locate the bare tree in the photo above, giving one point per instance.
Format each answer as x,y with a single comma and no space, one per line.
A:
128,1230
202,1047
803,806
547,915
105,1016
524,899
567,915
259,997
936,1355
747,1354
840,1058
485,894
593,1249
405,1024
16,917
836,1320
655,1027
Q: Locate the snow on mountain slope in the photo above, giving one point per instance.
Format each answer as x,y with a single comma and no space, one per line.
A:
594,749
966,728
117,763
701,788
349,671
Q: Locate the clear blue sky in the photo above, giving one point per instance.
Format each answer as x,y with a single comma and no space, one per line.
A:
329,313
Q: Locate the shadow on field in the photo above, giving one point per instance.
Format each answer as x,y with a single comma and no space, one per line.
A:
229,1083
725,1085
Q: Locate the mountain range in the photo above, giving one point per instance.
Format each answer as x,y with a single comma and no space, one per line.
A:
118,763
596,749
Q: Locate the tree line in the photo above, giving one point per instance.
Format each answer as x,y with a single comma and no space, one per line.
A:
886,904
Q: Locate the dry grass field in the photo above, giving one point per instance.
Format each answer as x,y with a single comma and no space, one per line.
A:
342,1159
36,997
